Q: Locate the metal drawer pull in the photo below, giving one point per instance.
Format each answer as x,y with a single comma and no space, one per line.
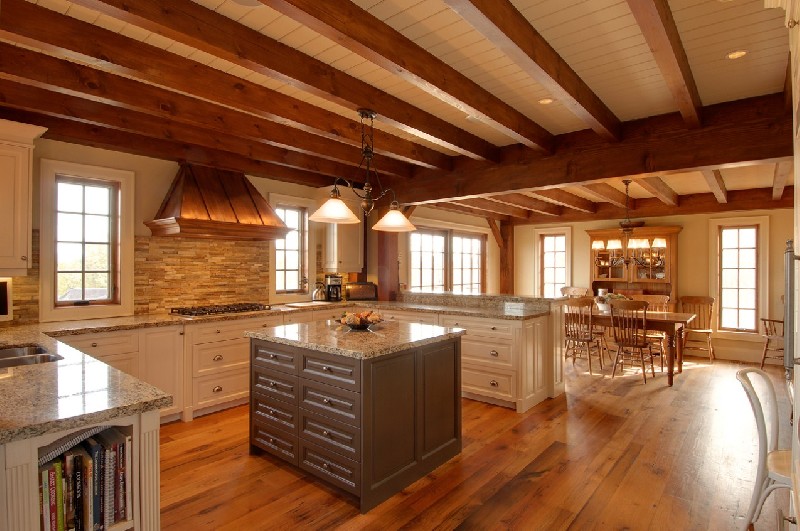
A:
218,357
494,383
217,331
94,344
494,328
271,383
494,353
325,465
271,412
326,368
272,356
271,440
326,401
325,433
217,389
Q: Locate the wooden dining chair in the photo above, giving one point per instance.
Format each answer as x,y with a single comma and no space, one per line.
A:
629,322
702,308
574,292
772,332
773,469
657,339
578,331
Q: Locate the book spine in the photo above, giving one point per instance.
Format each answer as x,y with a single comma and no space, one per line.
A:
120,494
77,489
45,499
108,488
96,454
88,493
69,493
59,495
128,478
51,489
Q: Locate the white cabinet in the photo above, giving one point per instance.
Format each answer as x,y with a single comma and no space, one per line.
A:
503,361
344,245
120,349
298,317
410,316
16,156
217,363
161,362
19,473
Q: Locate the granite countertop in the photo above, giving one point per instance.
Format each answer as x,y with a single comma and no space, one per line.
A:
335,338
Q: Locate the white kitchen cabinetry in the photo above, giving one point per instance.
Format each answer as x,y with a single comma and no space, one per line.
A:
16,156
344,245
410,316
217,363
120,349
20,478
298,317
503,361
161,363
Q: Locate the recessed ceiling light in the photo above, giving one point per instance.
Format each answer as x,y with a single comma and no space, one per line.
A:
736,54
546,101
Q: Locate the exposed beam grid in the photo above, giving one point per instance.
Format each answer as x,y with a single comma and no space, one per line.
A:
779,178
716,184
660,189
564,198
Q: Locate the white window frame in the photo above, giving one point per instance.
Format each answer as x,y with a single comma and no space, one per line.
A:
762,253
538,288
48,312
311,249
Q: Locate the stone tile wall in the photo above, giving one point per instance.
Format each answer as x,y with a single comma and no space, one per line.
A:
25,290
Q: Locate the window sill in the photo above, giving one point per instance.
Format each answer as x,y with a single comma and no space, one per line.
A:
752,337
77,313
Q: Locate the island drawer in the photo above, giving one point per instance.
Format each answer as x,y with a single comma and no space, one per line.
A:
267,410
338,470
209,358
277,442
497,351
339,371
331,401
104,343
217,388
479,327
410,317
479,380
216,331
336,436
275,384
275,356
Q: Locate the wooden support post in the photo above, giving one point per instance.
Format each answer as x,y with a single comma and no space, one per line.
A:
507,258
388,266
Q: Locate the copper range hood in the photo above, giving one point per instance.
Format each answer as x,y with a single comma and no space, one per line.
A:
211,203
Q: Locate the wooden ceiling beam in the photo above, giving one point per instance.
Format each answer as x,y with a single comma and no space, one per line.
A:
461,209
753,199
779,179
505,209
498,237
716,184
199,27
42,101
125,142
564,198
362,33
41,70
660,189
658,27
26,23
603,192
501,23
756,131
529,203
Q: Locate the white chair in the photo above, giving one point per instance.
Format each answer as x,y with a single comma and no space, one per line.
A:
774,466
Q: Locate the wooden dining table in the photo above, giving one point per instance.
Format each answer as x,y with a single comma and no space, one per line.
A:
671,323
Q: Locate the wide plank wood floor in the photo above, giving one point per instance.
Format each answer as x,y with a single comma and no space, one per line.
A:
609,454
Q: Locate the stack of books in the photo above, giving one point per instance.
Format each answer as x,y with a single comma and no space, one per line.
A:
88,486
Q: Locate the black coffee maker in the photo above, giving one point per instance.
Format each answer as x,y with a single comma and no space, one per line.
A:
333,288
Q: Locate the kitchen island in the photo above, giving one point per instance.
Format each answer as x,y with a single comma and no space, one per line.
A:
369,411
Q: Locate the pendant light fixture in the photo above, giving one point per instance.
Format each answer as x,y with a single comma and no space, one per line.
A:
334,210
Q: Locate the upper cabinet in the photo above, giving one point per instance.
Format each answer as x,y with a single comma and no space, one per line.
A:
644,261
344,245
16,160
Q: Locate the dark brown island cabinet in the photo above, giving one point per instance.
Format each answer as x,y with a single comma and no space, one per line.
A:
368,426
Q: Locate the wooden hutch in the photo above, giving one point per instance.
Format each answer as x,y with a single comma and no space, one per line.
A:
653,271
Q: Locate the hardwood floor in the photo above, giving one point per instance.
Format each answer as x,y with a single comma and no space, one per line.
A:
610,454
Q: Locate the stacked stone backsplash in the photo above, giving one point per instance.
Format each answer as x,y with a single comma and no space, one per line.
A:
170,272
25,290
473,301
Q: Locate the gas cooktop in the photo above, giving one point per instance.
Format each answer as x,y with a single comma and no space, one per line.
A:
216,309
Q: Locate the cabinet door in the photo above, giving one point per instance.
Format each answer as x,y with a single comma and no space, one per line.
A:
161,354
344,245
14,208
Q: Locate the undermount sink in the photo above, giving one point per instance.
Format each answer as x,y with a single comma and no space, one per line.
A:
25,355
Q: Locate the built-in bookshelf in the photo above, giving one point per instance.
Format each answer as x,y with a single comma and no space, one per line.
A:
87,485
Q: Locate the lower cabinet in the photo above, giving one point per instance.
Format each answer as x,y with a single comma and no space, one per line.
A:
369,427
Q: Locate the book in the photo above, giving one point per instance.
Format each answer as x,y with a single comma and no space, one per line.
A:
69,490
45,503
51,492
59,479
121,445
77,490
88,487
97,454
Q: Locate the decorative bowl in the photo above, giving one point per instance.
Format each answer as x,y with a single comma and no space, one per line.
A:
363,326
361,320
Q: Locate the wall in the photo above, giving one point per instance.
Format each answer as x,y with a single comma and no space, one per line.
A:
693,264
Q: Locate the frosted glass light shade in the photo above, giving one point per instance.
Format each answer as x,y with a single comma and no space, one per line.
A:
334,211
638,243
598,245
394,221
659,243
614,245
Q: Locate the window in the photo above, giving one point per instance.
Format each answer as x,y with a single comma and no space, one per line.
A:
86,249
553,249
86,264
290,269
444,260
738,278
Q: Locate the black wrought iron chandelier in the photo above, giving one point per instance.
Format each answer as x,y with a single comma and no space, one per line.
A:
334,210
